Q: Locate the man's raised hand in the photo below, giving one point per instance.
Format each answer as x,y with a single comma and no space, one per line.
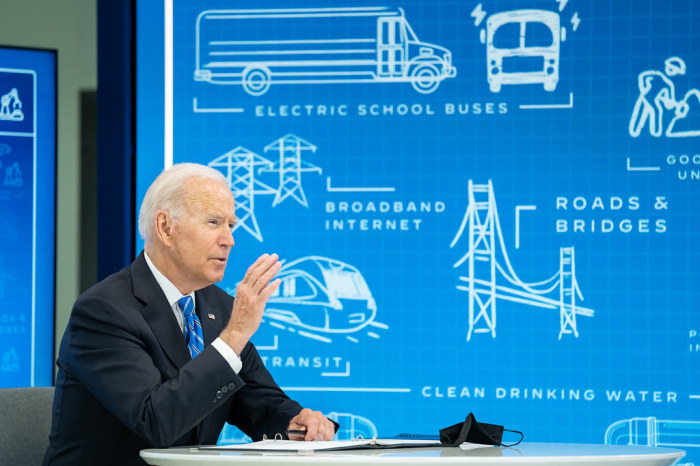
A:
252,294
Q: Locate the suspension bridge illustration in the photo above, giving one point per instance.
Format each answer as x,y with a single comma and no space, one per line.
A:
488,265
242,167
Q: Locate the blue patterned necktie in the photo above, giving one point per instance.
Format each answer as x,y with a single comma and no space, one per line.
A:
193,328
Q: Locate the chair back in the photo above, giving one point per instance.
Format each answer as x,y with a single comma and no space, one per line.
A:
25,423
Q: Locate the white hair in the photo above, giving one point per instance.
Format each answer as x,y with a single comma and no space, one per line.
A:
167,193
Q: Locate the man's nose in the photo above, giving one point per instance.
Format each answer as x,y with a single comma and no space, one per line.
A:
227,238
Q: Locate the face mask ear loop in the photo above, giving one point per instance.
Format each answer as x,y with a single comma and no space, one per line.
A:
508,445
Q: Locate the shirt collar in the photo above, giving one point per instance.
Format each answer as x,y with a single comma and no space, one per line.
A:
172,294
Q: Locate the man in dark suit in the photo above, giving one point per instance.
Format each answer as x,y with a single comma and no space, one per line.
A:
131,371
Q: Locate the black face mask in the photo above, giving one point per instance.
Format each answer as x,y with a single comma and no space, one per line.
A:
475,432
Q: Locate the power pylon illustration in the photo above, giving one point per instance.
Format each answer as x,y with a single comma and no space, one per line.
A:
239,165
290,167
486,252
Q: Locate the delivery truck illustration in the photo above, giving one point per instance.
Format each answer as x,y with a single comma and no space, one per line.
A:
260,47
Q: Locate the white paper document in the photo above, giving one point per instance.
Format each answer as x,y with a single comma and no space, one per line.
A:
321,445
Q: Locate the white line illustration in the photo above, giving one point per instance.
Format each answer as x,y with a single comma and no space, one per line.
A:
239,167
478,14
356,189
345,373
16,133
13,176
522,47
352,426
485,257
652,432
656,93
260,47
683,113
10,361
519,208
630,168
550,106
657,103
11,106
290,167
197,109
347,389
575,21
322,298
274,346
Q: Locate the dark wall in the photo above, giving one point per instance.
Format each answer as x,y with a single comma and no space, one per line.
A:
115,135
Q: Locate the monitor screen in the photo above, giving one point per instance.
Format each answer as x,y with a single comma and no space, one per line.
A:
27,215
487,206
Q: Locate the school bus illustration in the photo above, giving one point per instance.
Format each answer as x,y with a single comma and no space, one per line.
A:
522,47
260,47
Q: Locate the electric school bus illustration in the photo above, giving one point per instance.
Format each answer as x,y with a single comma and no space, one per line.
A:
257,48
522,47
322,294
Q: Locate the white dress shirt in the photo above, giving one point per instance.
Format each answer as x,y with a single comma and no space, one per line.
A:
173,295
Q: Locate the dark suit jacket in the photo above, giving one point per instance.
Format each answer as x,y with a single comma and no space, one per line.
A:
126,380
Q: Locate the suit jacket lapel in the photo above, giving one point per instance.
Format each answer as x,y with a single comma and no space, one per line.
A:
158,313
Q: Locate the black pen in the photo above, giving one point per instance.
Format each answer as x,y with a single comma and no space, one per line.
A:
295,432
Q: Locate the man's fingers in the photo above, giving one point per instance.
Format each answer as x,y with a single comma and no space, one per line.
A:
253,275
312,429
329,430
265,278
326,429
251,270
270,289
261,271
316,425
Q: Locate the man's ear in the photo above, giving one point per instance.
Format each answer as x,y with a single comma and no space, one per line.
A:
164,227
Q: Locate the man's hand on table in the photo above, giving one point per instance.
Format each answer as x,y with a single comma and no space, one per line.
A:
314,423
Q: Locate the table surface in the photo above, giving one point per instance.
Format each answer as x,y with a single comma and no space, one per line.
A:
570,454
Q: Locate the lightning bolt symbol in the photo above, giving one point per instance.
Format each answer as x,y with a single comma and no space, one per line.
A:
562,4
575,21
479,14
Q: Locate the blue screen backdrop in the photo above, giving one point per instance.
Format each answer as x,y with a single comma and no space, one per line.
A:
486,206
27,215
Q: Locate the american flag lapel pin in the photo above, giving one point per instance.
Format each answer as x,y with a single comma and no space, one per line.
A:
211,316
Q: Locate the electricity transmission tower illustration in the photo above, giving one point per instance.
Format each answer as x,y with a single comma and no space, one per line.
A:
488,264
239,166
289,167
